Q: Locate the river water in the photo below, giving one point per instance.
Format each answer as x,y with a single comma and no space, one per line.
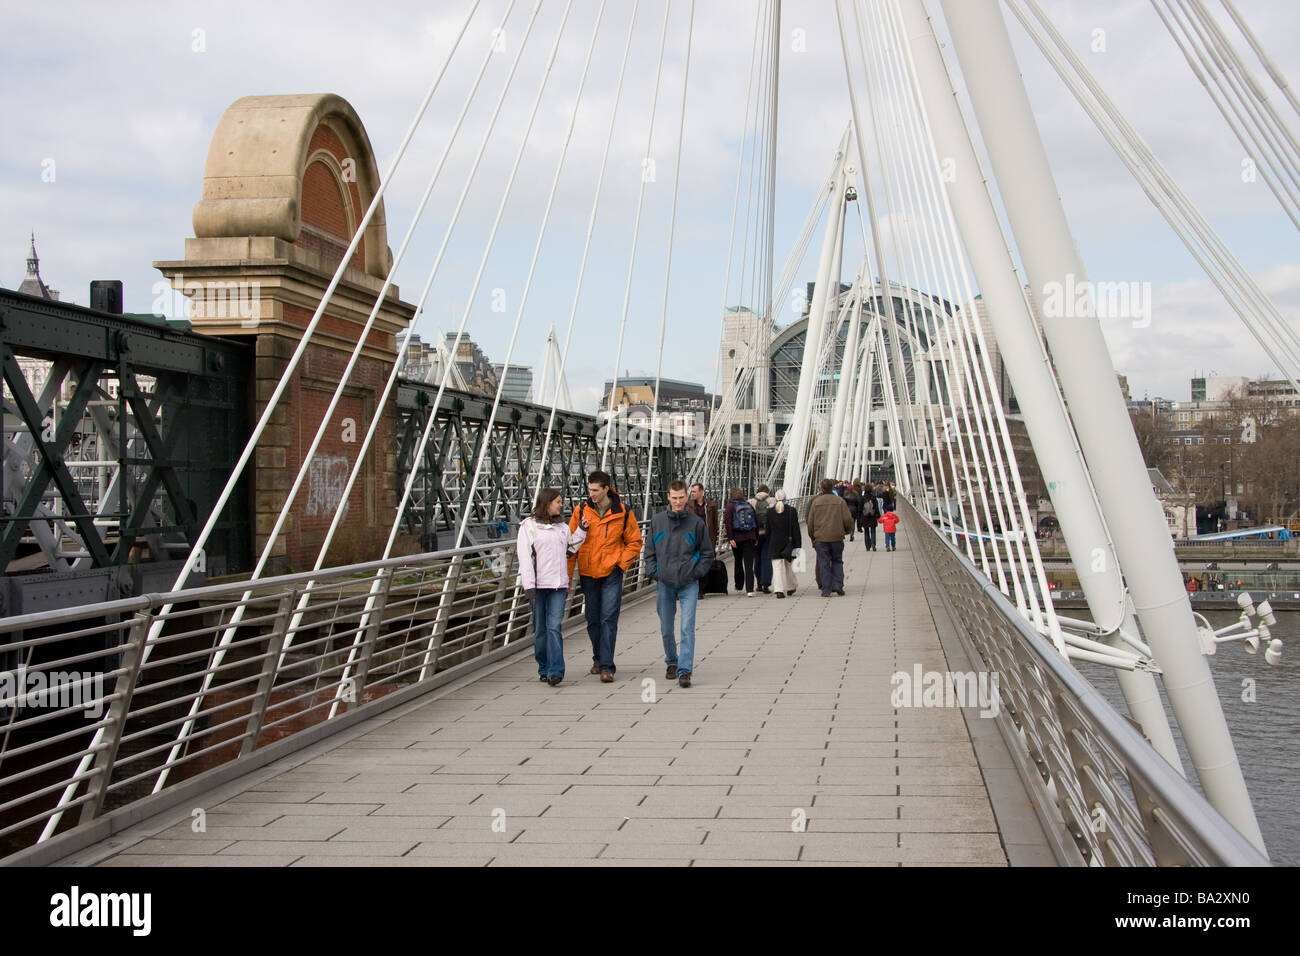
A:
1262,706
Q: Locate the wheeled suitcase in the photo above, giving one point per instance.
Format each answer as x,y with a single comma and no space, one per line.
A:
715,582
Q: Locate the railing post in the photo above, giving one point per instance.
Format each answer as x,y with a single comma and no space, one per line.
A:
448,599
115,723
270,664
1167,850
1099,834
515,593
497,601
372,636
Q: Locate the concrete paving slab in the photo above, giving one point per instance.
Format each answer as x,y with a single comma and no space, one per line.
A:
789,721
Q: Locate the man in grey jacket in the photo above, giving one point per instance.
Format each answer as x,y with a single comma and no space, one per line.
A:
678,552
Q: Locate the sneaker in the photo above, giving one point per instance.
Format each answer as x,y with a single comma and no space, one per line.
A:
595,668
671,673
684,679
749,594
606,677
554,679
541,677
791,592
840,592
780,595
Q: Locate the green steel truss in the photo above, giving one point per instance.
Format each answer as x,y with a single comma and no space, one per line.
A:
119,434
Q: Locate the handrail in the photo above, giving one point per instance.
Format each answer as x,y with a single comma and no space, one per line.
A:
78,675
1109,793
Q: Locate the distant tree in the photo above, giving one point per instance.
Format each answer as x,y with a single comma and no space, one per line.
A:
1153,440
1269,471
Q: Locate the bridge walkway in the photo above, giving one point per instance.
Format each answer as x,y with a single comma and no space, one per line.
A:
785,750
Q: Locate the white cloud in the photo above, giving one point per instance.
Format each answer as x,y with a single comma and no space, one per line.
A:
123,101
1193,331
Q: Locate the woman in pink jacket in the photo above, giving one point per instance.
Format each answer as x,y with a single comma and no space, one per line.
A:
545,544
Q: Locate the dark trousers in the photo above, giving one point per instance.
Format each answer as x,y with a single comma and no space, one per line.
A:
830,565
869,534
603,598
744,574
762,563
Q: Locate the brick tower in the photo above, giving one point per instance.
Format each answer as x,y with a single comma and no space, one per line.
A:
287,181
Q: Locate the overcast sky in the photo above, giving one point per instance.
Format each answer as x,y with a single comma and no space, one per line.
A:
120,101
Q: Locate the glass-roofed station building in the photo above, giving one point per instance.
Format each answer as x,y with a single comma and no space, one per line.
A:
745,340
765,400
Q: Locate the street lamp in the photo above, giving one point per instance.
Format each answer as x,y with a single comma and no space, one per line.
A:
1223,485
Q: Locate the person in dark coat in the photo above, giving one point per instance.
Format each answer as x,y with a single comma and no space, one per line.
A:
853,498
783,540
741,524
706,509
869,517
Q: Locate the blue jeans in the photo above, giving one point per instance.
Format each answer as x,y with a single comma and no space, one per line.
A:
763,564
548,641
603,600
830,565
669,597
891,543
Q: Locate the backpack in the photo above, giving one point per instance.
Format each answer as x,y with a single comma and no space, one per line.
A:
869,508
761,510
743,517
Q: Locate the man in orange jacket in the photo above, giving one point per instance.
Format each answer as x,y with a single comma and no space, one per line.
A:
612,545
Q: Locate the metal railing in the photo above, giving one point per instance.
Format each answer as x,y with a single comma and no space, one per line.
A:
105,704
1107,792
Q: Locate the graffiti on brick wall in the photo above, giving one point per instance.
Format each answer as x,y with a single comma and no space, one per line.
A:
325,483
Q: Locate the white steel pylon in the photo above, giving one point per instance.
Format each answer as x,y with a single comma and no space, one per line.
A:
552,387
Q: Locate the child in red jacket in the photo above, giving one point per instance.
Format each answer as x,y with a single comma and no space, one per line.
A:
889,521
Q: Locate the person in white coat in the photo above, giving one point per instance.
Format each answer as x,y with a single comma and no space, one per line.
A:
545,544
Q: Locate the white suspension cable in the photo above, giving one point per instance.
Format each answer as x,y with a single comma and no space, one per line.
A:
1243,295
591,223
887,292
910,468
668,269
700,470
636,236
223,498
528,282
1203,62
916,198
1017,517
1277,76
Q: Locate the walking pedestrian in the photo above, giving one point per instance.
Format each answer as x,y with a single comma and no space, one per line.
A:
783,542
762,503
889,521
828,522
741,523
678,553
612,545
869,517
887,498
706,509
545,544
853,498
